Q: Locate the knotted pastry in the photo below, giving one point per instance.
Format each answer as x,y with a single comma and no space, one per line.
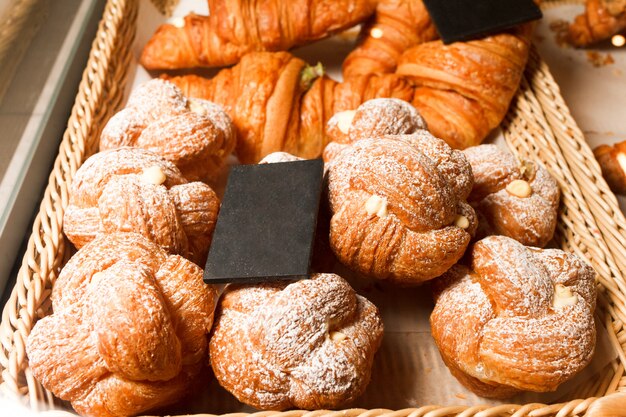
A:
374,118
196,135
135,190
398,207
518,199
396,26
129,331
235,28
519,319
612,160
601,20
309,344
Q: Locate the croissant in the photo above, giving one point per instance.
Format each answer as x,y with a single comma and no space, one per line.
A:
396,26
612,160
135,190
129,331
309,344
398,207
275,89
235,28
518,199
518,319
463,90
278,103
601,20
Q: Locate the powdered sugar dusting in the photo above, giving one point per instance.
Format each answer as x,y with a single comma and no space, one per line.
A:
527,343
276,157
530,220
422,182
196,135
271,346
109,195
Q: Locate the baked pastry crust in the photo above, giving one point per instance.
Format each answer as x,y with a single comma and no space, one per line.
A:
235,28
278,103
519,319
601,20
135,190
529,217
374,118
398,207
463,90
196,135
396,26
129,331
308,344
612,160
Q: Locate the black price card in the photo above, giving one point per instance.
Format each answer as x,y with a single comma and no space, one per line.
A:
462,20
266,226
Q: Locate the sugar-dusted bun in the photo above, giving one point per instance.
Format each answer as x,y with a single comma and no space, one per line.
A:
519,318
518,199
374,118
398,207
129,331
196,135
308,344
135,190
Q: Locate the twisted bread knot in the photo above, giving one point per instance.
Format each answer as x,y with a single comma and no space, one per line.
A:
195,134
374,118
520,319
135,190
309,344
398,206
515,199
129,330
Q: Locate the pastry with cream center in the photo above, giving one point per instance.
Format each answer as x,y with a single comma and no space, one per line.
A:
513,198
516,318
398,207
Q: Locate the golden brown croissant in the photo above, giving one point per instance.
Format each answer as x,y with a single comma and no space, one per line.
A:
278,103
196,135
601,20
518,199
612,160
129,331
396,26
519,319
309,344
235,28
463,90
135,190
460,108
398,207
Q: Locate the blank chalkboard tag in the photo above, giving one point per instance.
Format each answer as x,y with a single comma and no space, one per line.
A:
266,226
463,20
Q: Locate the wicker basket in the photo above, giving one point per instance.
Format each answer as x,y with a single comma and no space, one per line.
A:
538,126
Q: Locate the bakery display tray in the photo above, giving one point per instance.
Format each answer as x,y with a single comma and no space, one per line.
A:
408,375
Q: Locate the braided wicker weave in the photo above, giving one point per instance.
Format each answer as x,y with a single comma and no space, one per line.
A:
538,126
